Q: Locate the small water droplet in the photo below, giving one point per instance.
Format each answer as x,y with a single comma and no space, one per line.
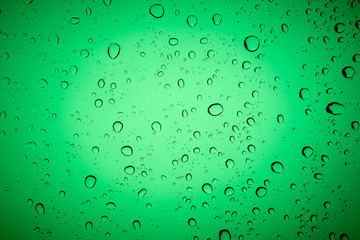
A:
355,125
339,27
304,93
98,103
110,206
192,20
114,50
75,20
224,235
229,163
277,167
192,222
261,192
217,18
88,225
129,170
40,209
229,191
348,72
156,126
307,151
142,192
117,126
136,224
173,41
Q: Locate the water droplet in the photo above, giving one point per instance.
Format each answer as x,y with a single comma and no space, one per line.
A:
39,207
142,192
136,224
192,222
204,40
215,109
117,126
318,176
252,43
229,191
339,27
62,193
304,93
280,118
344,236
98,103
355,125
185,158
348,72
110,206
307,151
156,126
246,65
157,10
173,41
210,54
207,188
75,20
191,20
261,192
129,170
127,151
90,181
107,2
95,149
277,167
88,225
229,163
335,108
181,83
356,57
113,50
224,235
217,18
284,28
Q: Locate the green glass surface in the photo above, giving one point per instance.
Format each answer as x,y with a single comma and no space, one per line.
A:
199,120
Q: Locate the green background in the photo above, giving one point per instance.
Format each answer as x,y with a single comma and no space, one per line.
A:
54,133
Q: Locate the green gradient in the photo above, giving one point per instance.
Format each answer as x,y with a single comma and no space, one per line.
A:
54,133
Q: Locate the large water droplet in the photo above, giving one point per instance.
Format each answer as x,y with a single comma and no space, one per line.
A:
339,27
229,163
157,10
207,188
156,126
215,109
261,192
127,151
192,222
304,93
129,170
216,18
307,151
117,126
110,206
348,72
40,209
229,191
113,50
252,43
335,108
277,167
136,224
224,235
90,181
191,20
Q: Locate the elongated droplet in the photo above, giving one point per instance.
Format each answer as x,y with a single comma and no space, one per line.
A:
113,50
40,209
335,108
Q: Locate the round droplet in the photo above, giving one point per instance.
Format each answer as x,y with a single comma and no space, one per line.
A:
98,103
252,43
304,93
348,72
84,53
191,20
127,151
207,188
117,126
142,192
39,207
339,27
277,167
95,149
173,41
229,191
217,18
335,108
129,170
90,181
113,50
89,225
110,206
185,158
210,54
307,151
136,224
156,126
229,163
215,109
157,10
261,192
355,125
192,222
224,235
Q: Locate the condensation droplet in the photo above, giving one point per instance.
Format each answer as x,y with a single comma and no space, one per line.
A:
207,188
127,151
277,167
157,10
335,108
192,20
307,151
90,181
252,43
215,109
